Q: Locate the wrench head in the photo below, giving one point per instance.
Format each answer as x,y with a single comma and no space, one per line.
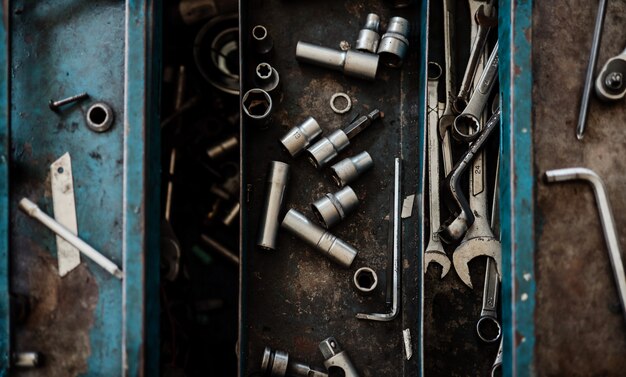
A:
611,82
440,258
472,248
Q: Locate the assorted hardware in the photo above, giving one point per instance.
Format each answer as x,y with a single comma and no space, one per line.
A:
333,104
277,179
323,241
349,169
365,280
223,148
301,136
332,208
328,147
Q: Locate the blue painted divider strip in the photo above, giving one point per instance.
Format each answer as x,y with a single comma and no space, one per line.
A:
5,326
517,180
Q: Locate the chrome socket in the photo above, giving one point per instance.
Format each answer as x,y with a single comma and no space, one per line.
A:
266,77
368,36
323,241
277,363
299,137
394,43
262,40
322,152
332,208
257,106
365,280
352,63
349,169
277,179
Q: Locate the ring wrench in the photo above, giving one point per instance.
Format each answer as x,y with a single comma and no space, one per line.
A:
395,222
610,82
591,68
491,288
434,250
606,217
447,119
462,217
479,239
466,126
498,362
485,19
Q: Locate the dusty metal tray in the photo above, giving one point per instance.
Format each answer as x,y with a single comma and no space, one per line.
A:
293,298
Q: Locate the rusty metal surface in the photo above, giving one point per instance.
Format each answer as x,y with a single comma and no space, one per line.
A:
293,298
580,330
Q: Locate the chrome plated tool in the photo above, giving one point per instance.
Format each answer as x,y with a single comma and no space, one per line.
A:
610,83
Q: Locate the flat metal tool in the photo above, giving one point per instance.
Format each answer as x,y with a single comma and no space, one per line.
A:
33,211
434,249
396,226
591,68
497,364
606,217
64,205
610,85
447,118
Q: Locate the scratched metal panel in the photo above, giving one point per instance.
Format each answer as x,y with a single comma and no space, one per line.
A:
87,323
580,328
293,298
517,179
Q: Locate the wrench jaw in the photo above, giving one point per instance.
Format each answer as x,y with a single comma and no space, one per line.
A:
439,257
611,82
455,228
472,248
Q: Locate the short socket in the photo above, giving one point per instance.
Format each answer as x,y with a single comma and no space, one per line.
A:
257,106
365,280
277,179
262,40
266,77
327,148
368,36
332,208
394,43
332,247
348,170
274,363
299,137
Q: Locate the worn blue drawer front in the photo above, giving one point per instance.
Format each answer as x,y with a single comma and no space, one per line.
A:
88,322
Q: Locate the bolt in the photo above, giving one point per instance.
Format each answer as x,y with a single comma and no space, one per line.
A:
54,105
614,80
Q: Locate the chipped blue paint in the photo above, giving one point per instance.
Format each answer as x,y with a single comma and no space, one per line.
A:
517,180
5,326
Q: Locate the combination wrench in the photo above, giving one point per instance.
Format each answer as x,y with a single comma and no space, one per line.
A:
462,217
434,250
606,217
466,126
491,288
498,362
447,118
484,19
610,82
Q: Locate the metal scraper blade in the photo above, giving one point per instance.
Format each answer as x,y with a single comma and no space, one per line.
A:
64,205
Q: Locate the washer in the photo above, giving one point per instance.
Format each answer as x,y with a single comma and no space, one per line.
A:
342,95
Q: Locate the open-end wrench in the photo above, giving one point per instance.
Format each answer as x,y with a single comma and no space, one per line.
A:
479,239
498,362
467,124
484,18
610,85
462,217
489,312
447,119
434,250
606,217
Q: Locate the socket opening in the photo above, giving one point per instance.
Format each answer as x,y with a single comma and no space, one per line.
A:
466,127
390,59
257,103
335,371
365,279
264,71
259,32
97,115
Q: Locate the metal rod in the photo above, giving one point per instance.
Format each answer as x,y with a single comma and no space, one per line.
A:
33,210
606,217
591,68
396,223
222,250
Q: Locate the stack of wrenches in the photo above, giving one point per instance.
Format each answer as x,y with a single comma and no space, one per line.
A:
458,130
